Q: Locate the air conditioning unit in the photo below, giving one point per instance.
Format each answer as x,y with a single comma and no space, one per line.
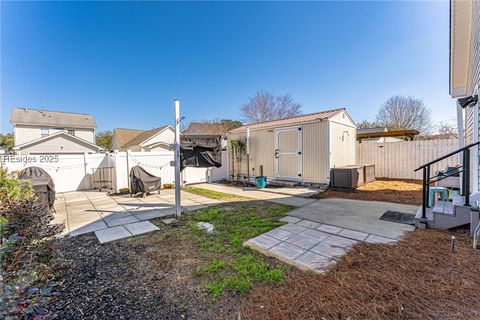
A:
348,178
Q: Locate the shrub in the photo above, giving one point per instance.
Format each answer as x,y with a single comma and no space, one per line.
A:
26,250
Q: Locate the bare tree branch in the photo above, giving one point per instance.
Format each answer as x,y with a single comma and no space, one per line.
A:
400,112
264,106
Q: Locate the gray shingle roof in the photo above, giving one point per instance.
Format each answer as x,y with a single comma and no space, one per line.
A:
51,118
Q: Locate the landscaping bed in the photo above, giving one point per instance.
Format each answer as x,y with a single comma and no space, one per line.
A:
417,278
177,272
396,191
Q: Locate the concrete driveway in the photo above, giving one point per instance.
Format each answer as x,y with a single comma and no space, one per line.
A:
363,216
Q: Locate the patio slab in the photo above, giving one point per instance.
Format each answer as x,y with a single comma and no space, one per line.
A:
116,217
141,227
112,234
358,215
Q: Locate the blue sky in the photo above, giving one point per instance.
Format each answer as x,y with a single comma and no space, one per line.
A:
125,62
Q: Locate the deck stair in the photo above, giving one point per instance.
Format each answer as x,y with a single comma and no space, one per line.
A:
446,214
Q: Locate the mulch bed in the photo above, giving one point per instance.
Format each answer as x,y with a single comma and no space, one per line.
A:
145,277
418,278
396,191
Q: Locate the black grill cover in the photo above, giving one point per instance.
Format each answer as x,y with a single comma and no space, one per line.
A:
201,151
143,181
42,184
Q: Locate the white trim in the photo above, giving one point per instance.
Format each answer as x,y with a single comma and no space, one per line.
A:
142,144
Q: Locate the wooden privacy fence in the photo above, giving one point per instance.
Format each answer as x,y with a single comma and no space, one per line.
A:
397,160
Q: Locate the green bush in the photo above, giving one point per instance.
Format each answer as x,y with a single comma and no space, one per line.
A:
26,253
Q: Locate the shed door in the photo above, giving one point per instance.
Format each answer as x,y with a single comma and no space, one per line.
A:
288,153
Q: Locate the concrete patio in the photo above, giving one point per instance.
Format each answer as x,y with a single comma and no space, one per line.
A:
363,216
117,217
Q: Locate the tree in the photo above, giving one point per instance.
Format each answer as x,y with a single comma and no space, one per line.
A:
104,139
365,124
6,141
448,128
264,106
402,113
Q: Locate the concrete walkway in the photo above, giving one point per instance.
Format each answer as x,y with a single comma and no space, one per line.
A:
259,195
363,216
117,217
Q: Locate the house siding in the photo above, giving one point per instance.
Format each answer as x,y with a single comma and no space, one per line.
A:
59,144
315,147
24,133
473,80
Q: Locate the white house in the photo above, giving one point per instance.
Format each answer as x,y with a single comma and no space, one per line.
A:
158,139
465,74
45,132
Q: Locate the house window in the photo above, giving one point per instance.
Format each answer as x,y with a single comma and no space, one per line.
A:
71,132
44,132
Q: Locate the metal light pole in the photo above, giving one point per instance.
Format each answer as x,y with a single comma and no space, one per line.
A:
178,208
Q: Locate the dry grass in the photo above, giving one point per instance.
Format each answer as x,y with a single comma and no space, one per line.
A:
418,278
397,191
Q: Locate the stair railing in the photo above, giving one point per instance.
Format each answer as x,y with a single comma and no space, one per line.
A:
463,168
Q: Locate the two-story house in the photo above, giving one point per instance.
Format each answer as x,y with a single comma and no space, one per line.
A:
47,132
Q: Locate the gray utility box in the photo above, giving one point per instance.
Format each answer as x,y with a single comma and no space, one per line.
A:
348,178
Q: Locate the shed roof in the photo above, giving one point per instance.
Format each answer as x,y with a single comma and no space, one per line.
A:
51,118
293,120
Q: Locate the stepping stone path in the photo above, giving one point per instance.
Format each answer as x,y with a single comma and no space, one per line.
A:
310,245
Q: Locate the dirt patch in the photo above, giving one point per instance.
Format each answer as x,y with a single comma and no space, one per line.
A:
146,277
396,191
418,278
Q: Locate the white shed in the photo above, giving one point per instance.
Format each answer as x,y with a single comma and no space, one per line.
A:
302,148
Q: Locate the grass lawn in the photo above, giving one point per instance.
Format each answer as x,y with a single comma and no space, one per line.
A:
215,194
396,191
232,266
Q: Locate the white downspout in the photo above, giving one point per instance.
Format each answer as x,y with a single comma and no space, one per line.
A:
475,149
461,139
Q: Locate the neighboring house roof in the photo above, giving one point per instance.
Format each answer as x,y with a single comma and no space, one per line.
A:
203,128
132,137
51,118
372,130
53,136
298,119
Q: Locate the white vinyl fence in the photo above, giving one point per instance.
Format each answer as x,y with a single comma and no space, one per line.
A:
109,170
397,160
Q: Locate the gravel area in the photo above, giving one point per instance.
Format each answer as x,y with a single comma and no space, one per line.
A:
145,277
